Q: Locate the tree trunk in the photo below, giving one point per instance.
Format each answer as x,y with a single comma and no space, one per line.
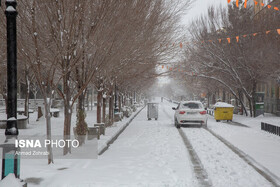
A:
242,104
224,96
111,109
26,101
124,100
254,98
214,98
67,112
48,126
120,102
67,125
87,99
91,100
250,106
208,100
81,99
99,104
104,110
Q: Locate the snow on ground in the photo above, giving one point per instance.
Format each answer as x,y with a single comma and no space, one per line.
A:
147,153
223,166
262,146
152,153
256,122
11,181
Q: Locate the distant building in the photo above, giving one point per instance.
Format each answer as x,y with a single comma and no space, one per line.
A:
270,88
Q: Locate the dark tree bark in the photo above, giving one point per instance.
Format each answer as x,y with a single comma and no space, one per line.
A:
99,105
104,110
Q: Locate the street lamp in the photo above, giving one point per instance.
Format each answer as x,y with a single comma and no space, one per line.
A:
11,14
10,161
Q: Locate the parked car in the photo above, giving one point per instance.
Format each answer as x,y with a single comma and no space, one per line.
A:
190,113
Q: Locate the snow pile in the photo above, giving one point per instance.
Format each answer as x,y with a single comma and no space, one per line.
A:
11,181
223,105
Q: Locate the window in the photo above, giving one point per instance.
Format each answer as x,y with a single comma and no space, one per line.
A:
192,105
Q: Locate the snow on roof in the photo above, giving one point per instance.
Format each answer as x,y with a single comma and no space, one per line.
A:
223,105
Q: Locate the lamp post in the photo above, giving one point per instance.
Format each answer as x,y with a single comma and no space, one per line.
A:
11,15
10,161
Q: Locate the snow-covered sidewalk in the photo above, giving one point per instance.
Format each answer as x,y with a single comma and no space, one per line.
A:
262,146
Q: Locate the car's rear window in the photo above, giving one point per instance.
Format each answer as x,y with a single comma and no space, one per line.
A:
192,105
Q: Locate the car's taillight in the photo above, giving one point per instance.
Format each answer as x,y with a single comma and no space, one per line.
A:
182,112
203,112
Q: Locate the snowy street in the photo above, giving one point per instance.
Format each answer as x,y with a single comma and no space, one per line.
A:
151,153
147,153
146,93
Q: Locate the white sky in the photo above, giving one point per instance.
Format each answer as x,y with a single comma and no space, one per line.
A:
199,7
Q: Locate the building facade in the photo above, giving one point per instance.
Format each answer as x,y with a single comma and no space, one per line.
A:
270,88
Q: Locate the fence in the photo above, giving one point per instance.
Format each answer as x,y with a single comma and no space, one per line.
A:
270,128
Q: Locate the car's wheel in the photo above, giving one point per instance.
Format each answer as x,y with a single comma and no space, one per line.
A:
217,120
155,118
177,125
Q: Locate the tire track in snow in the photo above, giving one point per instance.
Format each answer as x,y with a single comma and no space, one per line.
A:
202,174
198,168
223,164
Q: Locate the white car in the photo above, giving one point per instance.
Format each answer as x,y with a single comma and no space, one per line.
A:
190,113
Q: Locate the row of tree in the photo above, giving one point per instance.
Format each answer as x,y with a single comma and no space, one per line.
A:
238,66
68,46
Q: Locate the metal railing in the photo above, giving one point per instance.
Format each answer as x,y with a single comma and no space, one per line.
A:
270,128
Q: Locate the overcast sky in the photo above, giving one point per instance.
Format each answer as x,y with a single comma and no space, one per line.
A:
199,7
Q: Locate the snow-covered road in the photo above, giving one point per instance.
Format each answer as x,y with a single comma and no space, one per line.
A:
147,153
150,153
223,166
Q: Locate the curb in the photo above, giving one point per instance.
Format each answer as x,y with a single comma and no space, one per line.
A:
111,141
